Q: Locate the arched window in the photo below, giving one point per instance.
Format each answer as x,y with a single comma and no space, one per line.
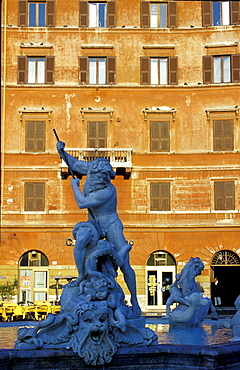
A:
226,257
160,258
33,258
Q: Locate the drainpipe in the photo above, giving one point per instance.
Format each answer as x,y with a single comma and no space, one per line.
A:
4,102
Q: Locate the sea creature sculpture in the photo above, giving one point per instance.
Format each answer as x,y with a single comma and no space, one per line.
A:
192,307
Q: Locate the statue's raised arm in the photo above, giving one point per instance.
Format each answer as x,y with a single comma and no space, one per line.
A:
73,163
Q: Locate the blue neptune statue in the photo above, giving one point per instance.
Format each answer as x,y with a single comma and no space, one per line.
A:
94,320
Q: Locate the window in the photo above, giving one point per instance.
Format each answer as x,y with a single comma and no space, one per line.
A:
36,70
223,135
160,136
97,134
99,70
224,195
97,14
159,71
35,136
220,13
160,196
221,68
34,196
158,14
36,13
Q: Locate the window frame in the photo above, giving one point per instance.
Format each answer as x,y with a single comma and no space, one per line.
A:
24,14
160,183
208,68
23,69
207,13
35,198
84,70
172,14
224,196
172,70
160,137
37,12
110,17
97,137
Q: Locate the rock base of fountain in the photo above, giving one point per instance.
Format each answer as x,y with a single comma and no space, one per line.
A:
155,357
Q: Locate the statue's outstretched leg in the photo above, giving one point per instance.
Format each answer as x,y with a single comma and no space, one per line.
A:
130,279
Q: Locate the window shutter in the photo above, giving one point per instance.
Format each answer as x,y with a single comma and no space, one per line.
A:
102,134
29,142
235,12
206,13
154,136
22,69
111,70
229,195
228,134
111,14
172,14
50,9
83,70
34,196
235,58
83,13
207,69
145,16
39,197
49,70
154,197
219,195
40,134
145,70
165,196
173,70
218,135
22,13
92,134
165,137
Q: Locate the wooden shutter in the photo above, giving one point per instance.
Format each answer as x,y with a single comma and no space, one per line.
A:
83,70
35,136
218,135
165,137
22,69
92,134
172,14
207,69
224,195
39,202
145,16
160,196
206,13
111,70
49,70
159,136
228,135
229,195
102,134
235,59
83,13
235,12
145,70
111,14
173,70
34,196
50,10
22,13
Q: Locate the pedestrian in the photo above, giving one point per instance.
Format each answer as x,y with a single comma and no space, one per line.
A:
216,286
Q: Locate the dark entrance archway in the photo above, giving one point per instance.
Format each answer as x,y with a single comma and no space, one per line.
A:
226,267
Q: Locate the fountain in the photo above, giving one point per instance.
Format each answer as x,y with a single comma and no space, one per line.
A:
95,326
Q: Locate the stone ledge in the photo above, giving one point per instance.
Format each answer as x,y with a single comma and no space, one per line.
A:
178,357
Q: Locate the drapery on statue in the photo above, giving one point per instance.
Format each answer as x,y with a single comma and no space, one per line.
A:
192,307
94,319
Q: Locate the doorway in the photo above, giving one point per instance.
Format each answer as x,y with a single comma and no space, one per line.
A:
226,267
33,277
160,273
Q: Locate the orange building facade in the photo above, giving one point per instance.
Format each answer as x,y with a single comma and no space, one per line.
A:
153,87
